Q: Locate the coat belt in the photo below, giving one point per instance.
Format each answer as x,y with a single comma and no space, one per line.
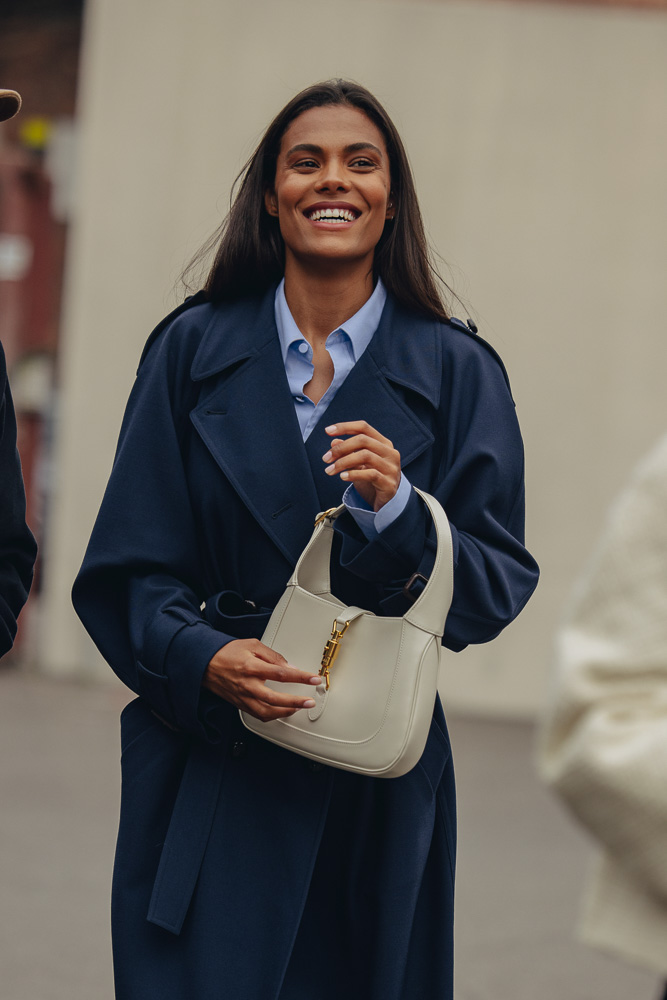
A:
187,837
192,820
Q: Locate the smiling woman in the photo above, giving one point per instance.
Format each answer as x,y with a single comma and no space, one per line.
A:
332,197
250,252
317,366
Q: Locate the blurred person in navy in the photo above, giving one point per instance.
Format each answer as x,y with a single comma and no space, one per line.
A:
17,546
318,365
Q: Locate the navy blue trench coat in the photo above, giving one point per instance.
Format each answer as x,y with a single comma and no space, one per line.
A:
242,870
17,545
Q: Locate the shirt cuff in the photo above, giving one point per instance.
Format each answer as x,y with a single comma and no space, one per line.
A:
372,523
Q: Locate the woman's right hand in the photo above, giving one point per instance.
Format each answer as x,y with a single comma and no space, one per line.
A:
238,671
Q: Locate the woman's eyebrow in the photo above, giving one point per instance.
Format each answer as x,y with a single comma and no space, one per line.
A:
354,147
304,147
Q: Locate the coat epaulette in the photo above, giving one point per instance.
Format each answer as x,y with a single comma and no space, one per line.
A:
192,300
470,329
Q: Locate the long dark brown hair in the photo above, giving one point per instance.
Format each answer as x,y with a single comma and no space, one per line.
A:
249,249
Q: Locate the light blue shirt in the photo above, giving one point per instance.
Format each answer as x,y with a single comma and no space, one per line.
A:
345,345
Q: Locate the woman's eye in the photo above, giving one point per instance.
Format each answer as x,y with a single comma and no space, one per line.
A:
310,164
363,162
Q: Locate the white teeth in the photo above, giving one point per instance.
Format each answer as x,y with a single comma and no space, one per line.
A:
335,214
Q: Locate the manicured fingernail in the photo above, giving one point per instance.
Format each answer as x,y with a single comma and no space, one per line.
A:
329,469
315,680
331,429
309,703
327,457
344,475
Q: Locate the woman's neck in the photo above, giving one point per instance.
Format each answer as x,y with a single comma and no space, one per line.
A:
321,302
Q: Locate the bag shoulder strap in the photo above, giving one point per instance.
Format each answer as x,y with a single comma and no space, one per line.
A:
431,607
429,611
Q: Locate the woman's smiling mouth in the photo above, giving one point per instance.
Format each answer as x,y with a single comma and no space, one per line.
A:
336,214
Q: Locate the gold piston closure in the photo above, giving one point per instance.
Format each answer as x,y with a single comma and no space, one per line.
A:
331,650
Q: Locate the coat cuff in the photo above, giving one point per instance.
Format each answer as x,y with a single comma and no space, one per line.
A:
176,692
188,656
397,552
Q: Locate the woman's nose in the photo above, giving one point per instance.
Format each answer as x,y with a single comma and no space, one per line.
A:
332,178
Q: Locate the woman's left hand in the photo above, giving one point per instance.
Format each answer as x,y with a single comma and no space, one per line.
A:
366,459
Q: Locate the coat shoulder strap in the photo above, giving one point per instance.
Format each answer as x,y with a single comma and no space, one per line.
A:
192,300
470,329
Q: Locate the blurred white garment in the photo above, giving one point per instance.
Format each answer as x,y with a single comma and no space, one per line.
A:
604,737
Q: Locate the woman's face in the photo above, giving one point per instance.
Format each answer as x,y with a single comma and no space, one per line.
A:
331,193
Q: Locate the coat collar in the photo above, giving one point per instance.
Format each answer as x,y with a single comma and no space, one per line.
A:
235,331
407,348
246,416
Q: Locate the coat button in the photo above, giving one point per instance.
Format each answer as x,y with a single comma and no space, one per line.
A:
239,749
472,326
315,766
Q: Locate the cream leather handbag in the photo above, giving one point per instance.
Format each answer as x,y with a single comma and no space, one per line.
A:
379,675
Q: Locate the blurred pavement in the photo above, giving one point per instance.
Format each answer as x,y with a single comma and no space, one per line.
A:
520,869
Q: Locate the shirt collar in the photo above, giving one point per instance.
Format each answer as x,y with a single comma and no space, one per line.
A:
359,328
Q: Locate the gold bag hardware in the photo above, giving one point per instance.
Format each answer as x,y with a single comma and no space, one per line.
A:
332,649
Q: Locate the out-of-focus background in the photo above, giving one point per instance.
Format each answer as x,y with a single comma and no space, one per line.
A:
538,136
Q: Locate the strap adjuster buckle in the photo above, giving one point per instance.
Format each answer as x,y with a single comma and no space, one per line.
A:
414,587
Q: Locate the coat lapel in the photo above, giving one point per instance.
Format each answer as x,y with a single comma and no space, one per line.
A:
246,414
404,352
246,419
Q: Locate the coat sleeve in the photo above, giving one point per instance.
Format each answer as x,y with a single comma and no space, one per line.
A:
137,591
480,485
17,545
604,735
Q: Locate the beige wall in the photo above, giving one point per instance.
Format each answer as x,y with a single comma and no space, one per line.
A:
539,144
